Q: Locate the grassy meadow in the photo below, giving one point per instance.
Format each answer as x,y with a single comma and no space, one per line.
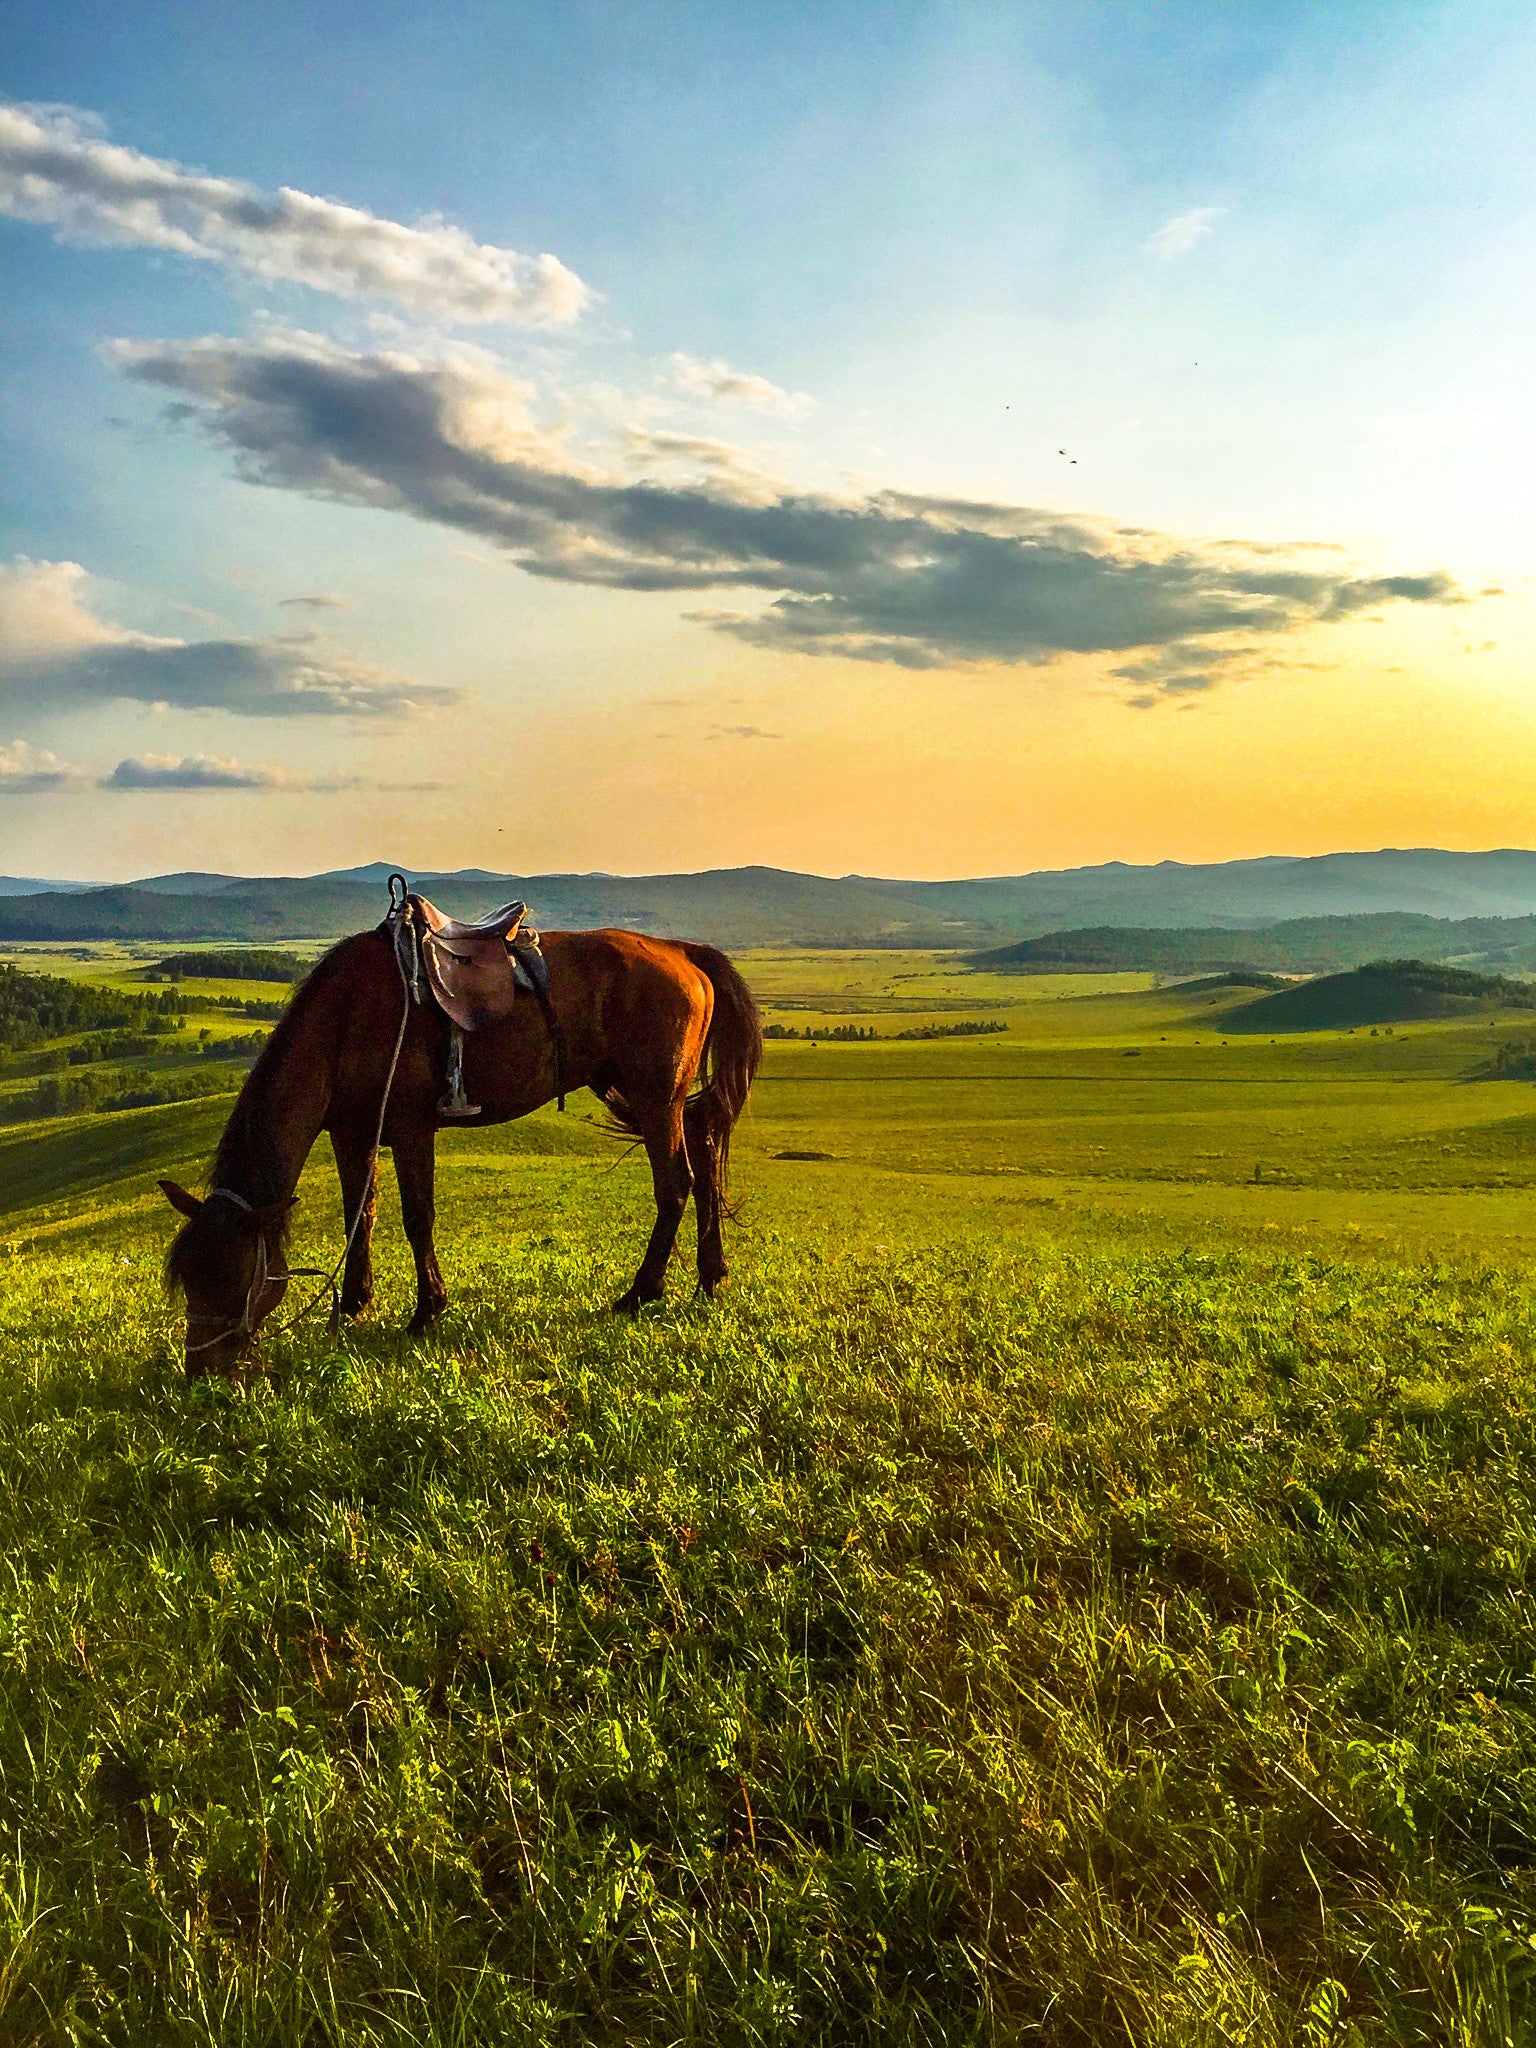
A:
1075,1587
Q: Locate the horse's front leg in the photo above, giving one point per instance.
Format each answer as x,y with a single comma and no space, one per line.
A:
415,1162
359,1192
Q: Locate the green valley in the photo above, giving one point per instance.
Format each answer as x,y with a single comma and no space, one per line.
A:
1073,1586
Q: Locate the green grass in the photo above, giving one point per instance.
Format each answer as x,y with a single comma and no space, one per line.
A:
1065,1592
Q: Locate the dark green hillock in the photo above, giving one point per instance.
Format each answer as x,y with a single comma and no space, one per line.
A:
1382,992
240,963
1302,945
1239,978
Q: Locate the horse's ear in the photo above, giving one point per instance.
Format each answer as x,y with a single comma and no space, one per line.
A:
272,1215
178,1198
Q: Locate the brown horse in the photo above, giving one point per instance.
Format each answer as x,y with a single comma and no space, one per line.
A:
640,1019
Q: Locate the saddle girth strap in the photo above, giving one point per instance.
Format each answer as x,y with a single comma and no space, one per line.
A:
535,970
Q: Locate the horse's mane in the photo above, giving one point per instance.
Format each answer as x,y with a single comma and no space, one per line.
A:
247,1160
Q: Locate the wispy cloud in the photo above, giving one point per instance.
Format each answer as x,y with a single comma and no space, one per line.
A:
1181,670
32,771
219,771
896,577
58,169
716,383
54,649
1184,232
316,601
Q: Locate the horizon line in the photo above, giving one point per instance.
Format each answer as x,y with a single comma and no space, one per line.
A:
359,868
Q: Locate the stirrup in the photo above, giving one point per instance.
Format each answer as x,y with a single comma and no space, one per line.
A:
455,1103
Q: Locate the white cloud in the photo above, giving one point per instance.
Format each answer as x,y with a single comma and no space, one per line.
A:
222,771
58,169
1178,236
196,771
32,771
716,383
54,648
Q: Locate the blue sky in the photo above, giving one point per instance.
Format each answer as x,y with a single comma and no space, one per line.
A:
1215,317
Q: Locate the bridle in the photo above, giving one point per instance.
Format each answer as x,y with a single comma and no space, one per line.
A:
244,1325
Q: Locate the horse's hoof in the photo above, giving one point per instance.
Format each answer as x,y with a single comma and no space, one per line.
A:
631,1302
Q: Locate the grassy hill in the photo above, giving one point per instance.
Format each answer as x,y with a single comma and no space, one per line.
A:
1312,945
1240,977
1069,1589
65,1159
1383,992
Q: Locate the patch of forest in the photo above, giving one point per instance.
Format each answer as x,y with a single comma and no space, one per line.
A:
864,1034
37,1007
239,963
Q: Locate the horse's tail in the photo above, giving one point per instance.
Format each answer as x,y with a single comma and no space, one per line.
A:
733,1052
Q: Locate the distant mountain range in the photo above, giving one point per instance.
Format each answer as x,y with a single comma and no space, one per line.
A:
772,906
29,885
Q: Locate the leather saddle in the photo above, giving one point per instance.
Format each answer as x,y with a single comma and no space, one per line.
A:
473,971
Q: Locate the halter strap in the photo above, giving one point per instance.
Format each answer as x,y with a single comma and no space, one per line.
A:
241,1325
230,1196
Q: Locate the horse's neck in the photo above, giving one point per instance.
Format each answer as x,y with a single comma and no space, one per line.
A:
297,1090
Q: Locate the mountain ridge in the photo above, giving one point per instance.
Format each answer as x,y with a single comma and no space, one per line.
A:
763,905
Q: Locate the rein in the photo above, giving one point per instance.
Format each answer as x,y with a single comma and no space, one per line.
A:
243,1325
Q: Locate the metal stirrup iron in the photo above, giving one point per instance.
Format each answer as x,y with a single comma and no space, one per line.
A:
455,1103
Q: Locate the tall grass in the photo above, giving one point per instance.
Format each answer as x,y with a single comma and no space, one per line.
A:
965,1643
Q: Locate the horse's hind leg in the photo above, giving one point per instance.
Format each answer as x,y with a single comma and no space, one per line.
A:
415,1170
708,1196
672,1181
359,1190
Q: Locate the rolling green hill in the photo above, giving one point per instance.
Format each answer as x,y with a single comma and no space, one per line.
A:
1382,992
1308,945
77,1156
1239,977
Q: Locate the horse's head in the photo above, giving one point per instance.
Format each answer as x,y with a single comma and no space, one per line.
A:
228,1259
